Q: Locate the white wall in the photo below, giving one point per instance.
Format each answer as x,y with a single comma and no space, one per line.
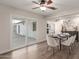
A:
58,26
4,30
41,30
5,25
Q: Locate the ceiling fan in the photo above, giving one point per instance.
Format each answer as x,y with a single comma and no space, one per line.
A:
43,4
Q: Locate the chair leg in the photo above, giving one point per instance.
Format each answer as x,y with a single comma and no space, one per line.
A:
70,49
53,51
58,48
48,48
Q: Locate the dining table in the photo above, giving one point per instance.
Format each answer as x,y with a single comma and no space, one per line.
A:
62,37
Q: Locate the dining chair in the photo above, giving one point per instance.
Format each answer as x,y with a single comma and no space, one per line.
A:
52,42
69,42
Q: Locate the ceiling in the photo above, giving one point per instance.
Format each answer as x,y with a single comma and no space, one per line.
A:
27,5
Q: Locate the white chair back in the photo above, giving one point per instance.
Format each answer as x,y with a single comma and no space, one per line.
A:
73,38
52,41
69,41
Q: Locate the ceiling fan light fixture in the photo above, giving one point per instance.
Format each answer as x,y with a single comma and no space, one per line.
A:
43,8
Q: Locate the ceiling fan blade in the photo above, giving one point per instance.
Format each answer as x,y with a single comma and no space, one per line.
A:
42,2
35,8
53,8
35,2
49,2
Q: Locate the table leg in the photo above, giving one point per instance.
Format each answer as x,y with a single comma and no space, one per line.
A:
60,43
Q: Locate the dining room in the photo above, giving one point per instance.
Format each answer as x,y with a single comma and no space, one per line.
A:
63,32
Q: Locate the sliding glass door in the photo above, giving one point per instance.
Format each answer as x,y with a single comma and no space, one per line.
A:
31,35
23,32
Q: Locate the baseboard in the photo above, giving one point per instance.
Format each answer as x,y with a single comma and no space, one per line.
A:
5,52
41,41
